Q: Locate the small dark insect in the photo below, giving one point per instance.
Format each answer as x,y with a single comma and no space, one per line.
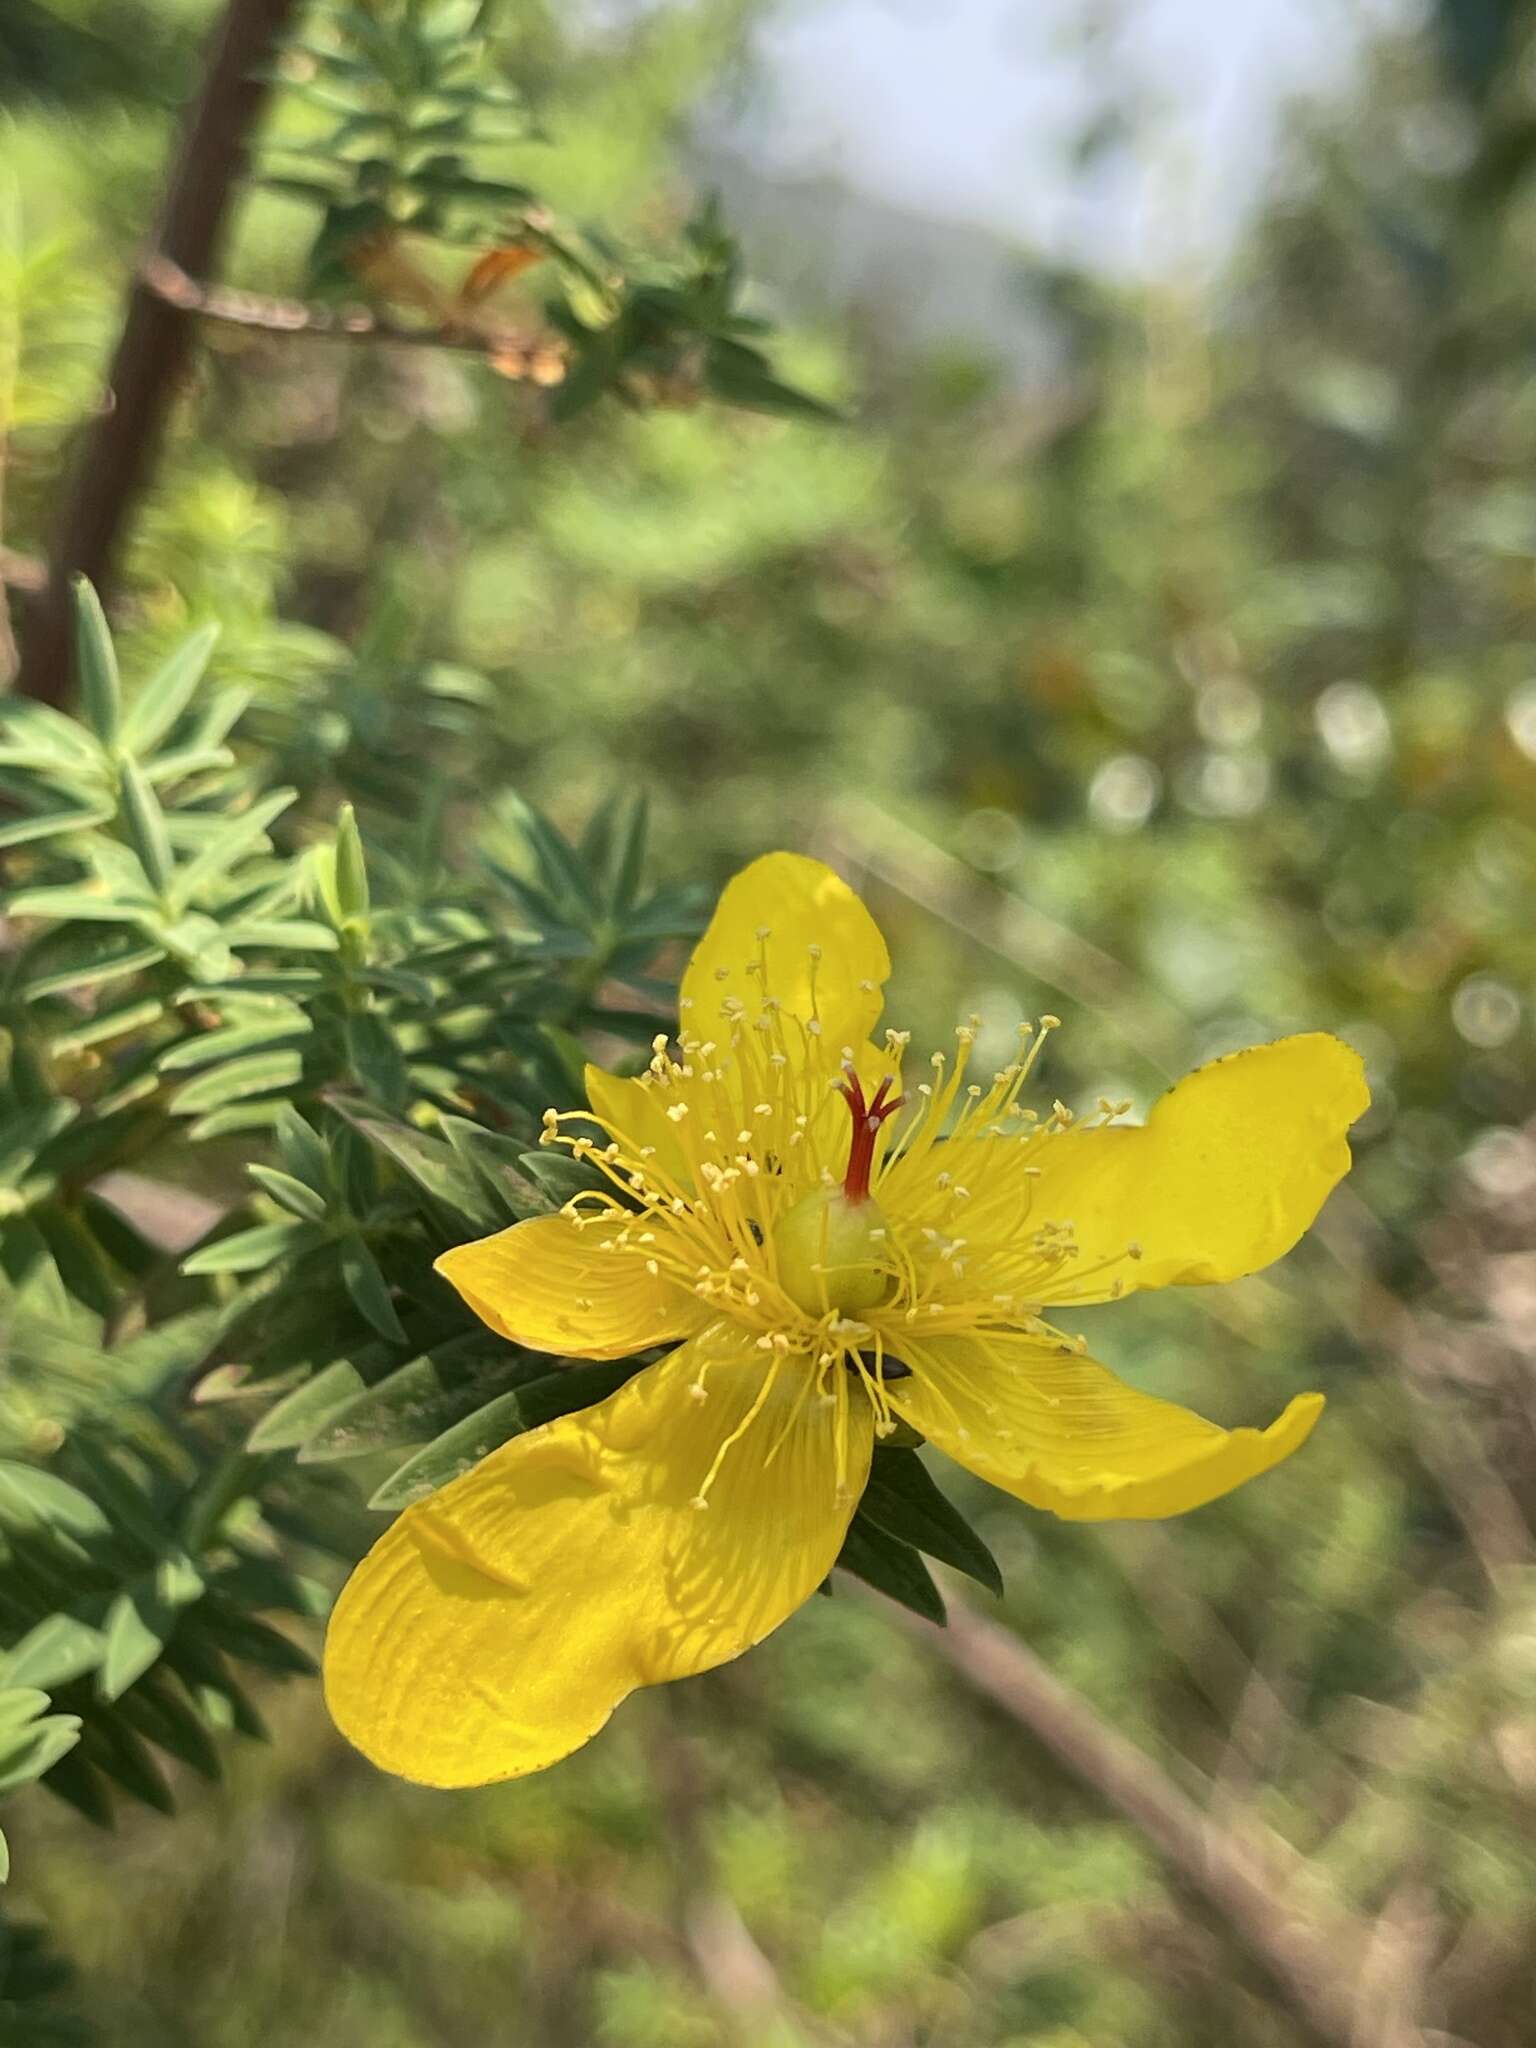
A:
889,1368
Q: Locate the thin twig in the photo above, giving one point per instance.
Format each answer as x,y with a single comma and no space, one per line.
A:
513,353
1310,1958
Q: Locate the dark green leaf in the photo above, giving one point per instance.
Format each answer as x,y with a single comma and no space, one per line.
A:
431,1163
373,1055
366,1285
891,1567
902,1499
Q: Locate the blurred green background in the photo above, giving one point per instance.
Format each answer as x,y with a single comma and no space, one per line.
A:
1182,682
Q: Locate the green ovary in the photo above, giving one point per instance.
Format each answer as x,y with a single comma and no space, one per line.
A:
831,1253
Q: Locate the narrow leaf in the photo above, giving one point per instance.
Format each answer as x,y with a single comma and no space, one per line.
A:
33,1499
902,1499
299,1414
365,1283
260,1073
140,1621
167,693
48,824
146,828
58,1649
412,1405
288,1193
224,848
891,1567
101,695
303,1150
283,1029
249,1250
107,1024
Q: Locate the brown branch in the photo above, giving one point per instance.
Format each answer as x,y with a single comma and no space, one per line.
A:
120,451
1444,1441
512,355
733,1969
1311,1959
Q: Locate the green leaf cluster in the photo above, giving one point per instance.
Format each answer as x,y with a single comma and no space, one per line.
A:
252,1084
399,119
402,110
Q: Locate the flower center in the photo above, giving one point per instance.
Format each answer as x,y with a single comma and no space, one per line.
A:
831,1247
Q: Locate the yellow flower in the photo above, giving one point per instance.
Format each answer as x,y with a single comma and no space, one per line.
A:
830,1257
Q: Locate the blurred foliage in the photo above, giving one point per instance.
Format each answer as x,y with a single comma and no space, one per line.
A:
407,119
1188,689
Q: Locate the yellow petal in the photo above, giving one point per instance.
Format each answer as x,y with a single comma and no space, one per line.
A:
554,1287
1063,1433
496,1626
638,1111
1228,1171
801,904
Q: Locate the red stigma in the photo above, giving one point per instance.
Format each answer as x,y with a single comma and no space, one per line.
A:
867,1119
